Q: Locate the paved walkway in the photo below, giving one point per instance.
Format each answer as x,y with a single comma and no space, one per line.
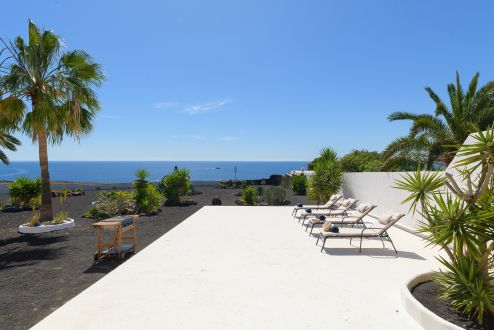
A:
250,268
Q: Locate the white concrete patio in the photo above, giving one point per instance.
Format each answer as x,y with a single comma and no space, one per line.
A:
250,268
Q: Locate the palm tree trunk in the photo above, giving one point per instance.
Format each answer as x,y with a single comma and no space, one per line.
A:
46,209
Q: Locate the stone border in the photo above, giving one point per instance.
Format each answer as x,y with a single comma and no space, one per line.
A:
423,316
42,228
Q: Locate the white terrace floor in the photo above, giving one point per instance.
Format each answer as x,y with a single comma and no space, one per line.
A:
250,268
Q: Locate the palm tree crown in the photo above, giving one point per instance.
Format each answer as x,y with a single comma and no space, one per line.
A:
48,94
431,136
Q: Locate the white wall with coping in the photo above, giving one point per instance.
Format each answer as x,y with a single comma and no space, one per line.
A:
377,188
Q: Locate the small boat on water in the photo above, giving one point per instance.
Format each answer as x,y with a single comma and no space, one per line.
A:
217,168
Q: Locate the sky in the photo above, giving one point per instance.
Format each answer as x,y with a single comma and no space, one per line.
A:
258,80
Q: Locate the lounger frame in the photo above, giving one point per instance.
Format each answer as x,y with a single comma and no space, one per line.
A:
359,220
317,207
382,234
341,212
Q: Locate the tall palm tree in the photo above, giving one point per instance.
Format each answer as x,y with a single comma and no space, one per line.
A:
430,135
49,94
9,142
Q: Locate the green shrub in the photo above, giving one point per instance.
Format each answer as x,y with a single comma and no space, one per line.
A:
35,203
216,200
60,217
285,181
152,200
34,220
114,203
275,196
260,191
299,184
361,161
94,212
23,190
249,196
174,185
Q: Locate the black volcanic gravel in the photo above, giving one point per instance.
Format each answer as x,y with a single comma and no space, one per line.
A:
39,273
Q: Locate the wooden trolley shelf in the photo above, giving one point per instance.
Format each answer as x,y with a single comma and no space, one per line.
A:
123,238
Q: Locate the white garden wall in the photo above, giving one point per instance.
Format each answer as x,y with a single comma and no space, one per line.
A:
377,188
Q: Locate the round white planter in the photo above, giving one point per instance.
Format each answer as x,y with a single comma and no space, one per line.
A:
423,316
43,228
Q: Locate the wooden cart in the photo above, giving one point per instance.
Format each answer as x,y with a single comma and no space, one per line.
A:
122,236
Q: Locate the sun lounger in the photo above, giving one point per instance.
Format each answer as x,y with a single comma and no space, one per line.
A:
341,211
356,218
378,230
331,203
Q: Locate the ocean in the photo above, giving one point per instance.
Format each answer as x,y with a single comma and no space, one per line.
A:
123,171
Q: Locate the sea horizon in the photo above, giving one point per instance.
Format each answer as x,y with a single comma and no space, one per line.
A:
124,171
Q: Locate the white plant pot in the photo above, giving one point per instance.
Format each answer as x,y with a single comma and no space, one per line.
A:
422,315
46,228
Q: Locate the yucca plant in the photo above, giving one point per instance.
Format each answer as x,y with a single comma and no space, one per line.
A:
249,195
275,196
460,220
326,179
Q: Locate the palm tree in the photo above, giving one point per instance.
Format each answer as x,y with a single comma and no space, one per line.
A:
9,142
431,135
49,94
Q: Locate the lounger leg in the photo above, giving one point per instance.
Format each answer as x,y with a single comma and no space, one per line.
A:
360,247
311,228
392,244
382,241
318,237
323,243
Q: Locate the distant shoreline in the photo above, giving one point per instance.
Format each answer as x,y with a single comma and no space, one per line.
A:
97,173
89,186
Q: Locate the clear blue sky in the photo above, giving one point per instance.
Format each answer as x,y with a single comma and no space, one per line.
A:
258,80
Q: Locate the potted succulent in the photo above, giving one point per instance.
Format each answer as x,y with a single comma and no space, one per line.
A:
458,217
